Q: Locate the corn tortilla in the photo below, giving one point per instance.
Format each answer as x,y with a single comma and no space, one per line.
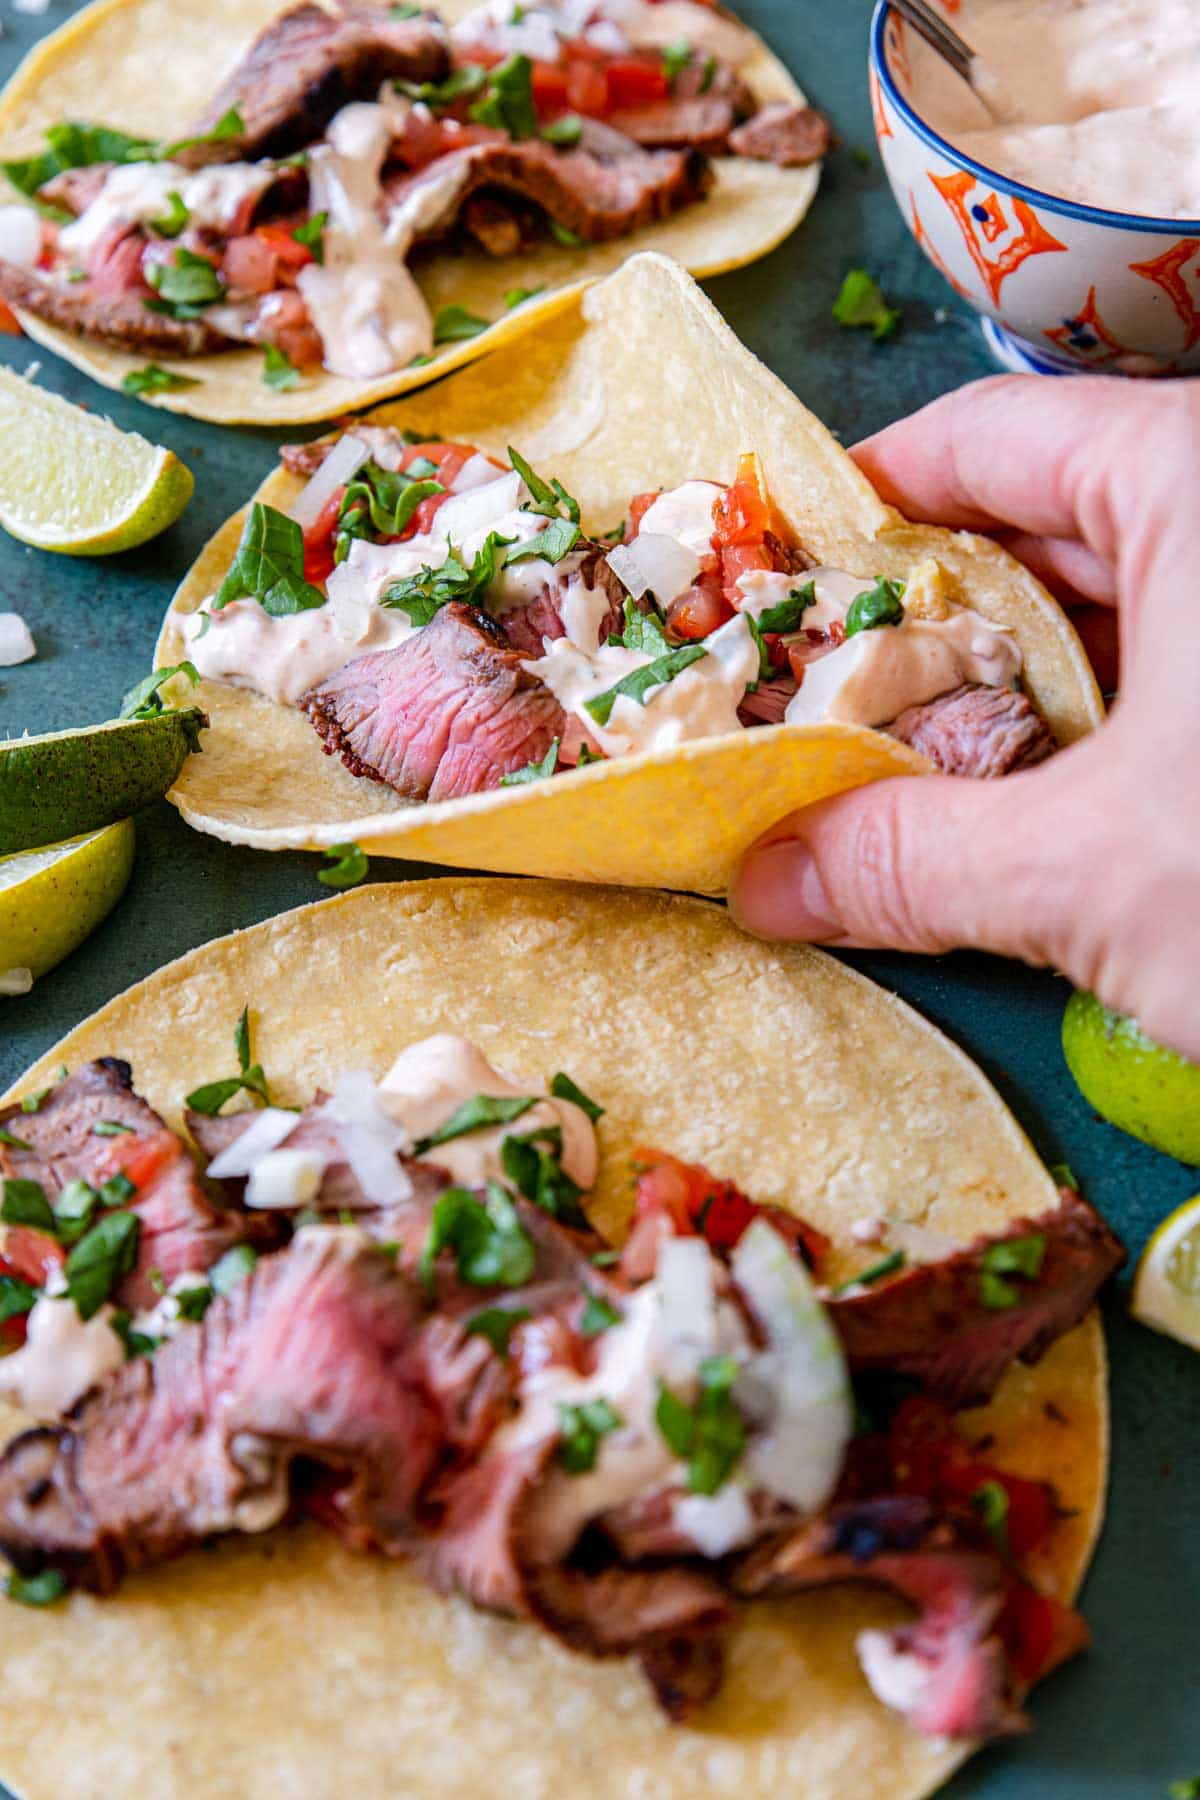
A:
148,66
284,1665
637,384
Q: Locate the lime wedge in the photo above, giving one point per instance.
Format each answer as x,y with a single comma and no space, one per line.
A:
1132,1081
1166,1287
72,482
51,899
55,786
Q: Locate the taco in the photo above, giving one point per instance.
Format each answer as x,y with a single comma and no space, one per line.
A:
560,1293
605,609
250,259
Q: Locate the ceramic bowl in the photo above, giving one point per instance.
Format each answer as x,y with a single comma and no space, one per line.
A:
1060,286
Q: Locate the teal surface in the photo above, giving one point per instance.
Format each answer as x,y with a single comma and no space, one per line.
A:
1124,1720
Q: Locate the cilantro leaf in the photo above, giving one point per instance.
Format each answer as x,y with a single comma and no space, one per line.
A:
174,219
404,9
532,1161
350,866
13,1143
990,1501
581,1429
675,58
880,605
269,566
887,1265
186,286
563,1088
475,1114
787,615
16,1297
637,684
72,145
549,497
194,1302
454,324
557,540
229,125
497,1324
312,235
99,1260
74,1210
210,1098
25,1203
643,632
710,1436
279,371
467,79
562,234
229,1272
151,379
564,132
861,302
490,1245
597,1316
1063,1175
517,296
144,701
1021,1256
422,595
382,501
43,1589
533,771
507,101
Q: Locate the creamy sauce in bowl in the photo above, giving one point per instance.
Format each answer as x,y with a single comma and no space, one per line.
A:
1093,100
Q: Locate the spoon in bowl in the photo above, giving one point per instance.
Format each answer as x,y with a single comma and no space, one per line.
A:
956,52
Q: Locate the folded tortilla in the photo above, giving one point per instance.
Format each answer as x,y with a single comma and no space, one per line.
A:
285,1664
638,384
145,66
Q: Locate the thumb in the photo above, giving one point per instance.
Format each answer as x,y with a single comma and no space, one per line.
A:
923,863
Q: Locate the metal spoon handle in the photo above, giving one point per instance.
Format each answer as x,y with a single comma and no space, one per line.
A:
942,37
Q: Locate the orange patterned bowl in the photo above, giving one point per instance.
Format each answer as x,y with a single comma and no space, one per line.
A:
1060,286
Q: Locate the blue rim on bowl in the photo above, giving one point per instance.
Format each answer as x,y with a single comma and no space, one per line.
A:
1072,209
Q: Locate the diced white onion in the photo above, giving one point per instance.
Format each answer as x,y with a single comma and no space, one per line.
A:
20,236
16,981
685,1327
266,1130
475,472
340,466
372,1139
654,564
285,1178
16,640
716,1523
799,1382
465,515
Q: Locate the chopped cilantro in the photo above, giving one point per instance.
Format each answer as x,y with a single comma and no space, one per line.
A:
475,1114
422,595
16,1297
279,371
145,701
350,866
1063,1175
25,1203
116,1190
533,771
497,1324
174,219
557,540
675,58
532,1161
643,632
587,756
861,156
517,296
563,132
507,101
638,683
1187,1789
229,1272
75,146
880,605
404,9
137,1343
74,1210
186,286
453,324
787,615
269,566
229,125
710,1436
563,1088
570,240
13,1143
381,501
861,302
43,1589
581,1429
467,79
605,1259
597,1316
548,497
99,1260
490,1245
312,235
888,1265
194,1302
990,1501
707,74
210,1098
1021,1256
111,1128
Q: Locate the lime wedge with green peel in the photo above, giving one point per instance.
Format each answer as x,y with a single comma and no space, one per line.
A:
1166,1288
56,786
1146,1089
72,482
51,899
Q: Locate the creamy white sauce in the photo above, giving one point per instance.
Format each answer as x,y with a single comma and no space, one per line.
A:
20,236
614,26
899,1678
163,1319
284,657
685,514
62,1357
583,610
835,591
701,702
430,1080
363,300
1095,100
137,193
875,675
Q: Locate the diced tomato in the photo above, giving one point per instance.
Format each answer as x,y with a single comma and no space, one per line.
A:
141,1159
587,87
740,516
1030,1514
250,265
284,321
452,464
12,1331
1038,1632
635,82
699,609
639,506
422,520
32,1255
930,1457
278,237
739,560
9,321
549,82
698,1203
318,540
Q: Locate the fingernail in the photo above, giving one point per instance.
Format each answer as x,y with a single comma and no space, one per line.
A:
779,894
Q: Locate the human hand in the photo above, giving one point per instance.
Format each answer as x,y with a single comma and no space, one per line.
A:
1091,862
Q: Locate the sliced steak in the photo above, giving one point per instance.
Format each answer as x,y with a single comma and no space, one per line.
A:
305,66
702,123
310,1357
525,626
784,133
181,1230
75,189
949,1673
983,732
603,189
934,1322
446,713
116,313
768,703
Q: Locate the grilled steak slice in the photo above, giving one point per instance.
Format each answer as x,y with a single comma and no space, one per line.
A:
934,1323
305,66
111,306
603,189
180,1228
983,732
950,1675
444,714
74,189
310,1357
791,136
526,625
702,123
